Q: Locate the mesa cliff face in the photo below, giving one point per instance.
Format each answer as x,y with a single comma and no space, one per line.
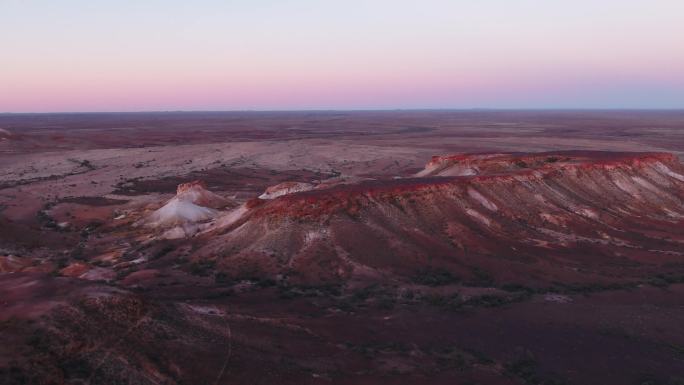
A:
566,216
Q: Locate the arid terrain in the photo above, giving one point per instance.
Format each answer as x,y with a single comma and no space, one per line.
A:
394,247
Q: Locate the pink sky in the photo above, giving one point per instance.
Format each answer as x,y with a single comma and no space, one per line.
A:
170,55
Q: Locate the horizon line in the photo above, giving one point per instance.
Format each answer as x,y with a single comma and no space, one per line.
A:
541,109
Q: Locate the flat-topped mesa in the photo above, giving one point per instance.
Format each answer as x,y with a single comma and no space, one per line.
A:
594,175
521,217
483,164
456,165
285,188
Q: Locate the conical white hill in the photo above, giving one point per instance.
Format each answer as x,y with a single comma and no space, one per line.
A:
193,203
5,134
178,212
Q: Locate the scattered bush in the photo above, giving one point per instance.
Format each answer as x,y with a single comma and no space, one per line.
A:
481,278
202,268
435,277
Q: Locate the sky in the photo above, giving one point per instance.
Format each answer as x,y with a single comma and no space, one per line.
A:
160,55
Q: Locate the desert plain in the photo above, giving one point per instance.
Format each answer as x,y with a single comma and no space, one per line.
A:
342,247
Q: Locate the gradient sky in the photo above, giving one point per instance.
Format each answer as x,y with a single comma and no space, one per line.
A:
133,55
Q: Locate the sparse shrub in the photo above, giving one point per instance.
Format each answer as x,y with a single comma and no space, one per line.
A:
121,274
481,278
265,282
588,288
455,361
385,302
289,294
481,357
14,375
86,163
658,282
665,280
219,294
525,368
407,295
202,268
76,368
222,278
39,341
363,294
452,302
677,348
345,306
162,252
516,287
435,277
487,301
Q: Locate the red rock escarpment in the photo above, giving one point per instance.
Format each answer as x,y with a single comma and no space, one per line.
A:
568,217
623,176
